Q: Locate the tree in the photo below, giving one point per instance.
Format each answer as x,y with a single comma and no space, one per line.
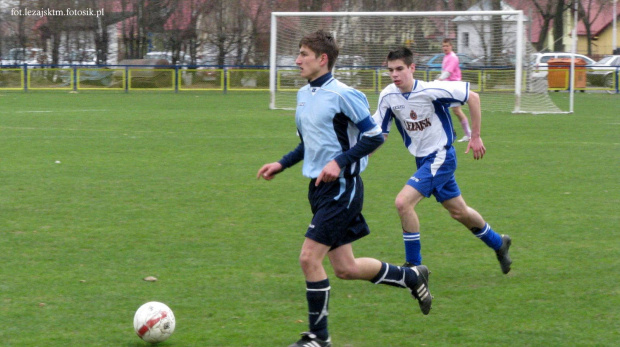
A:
258,12
227,31
21,27
54,27
497,25
99,26
589,11
545,11
310,5
180,33
558,25
148,17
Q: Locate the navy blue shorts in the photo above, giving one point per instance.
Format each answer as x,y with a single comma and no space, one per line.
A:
337,209
435,175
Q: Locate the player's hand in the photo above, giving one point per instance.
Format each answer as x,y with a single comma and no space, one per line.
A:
330,173
475,143
269,171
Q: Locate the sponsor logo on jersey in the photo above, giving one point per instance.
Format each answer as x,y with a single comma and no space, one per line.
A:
302,104
398,107
418,126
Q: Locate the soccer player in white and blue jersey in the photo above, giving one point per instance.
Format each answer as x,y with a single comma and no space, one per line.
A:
337,133
420,111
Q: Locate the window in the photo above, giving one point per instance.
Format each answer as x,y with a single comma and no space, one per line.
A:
545,58
465,40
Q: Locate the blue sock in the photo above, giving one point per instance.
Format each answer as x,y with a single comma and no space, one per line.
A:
396,276
413,248
317,294
490,237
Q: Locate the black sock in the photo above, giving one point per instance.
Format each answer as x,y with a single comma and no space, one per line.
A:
317,294
392,275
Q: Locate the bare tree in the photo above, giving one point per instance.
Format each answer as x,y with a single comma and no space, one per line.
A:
496,42
99,26
310,5
21,27
558,25
589,11
545,9
148,16
259,24
54,28
228,31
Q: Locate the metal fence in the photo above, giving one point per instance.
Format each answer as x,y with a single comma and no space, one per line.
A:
256,78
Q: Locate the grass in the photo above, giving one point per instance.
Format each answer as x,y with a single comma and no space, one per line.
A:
163,184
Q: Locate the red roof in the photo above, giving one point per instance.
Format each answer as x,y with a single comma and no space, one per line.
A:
604,19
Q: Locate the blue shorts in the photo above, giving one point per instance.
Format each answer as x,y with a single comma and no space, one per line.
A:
435,175
337,210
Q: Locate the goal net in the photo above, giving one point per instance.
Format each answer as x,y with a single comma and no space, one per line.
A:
492,46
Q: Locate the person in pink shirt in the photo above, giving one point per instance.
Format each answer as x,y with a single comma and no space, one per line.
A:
450,71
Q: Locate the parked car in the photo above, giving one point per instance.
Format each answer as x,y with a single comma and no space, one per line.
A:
84,57
541,66
503,62
604,71
433,63
167,56
348,68
19,56
286,61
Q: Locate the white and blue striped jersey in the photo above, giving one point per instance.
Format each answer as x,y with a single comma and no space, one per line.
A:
331,118
422,116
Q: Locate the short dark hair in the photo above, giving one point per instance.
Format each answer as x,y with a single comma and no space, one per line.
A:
403,53
322,42
448,41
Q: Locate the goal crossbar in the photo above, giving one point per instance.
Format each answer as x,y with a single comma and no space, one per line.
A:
517,16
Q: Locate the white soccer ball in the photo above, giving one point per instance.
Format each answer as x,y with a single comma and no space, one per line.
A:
154,322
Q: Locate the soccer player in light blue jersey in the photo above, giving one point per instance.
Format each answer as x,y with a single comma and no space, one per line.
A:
420,111
337,133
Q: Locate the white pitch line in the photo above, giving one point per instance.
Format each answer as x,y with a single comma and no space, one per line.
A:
59,111
78,129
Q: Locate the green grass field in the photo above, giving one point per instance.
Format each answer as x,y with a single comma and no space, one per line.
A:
100,190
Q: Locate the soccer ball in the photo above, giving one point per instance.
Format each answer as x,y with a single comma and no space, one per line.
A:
154,322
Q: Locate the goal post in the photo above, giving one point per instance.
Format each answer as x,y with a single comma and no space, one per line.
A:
493,48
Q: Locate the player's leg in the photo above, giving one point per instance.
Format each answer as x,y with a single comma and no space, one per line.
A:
346,266
406,201
458,111
311,260
335,206
471,219
432,170
317,291
464,214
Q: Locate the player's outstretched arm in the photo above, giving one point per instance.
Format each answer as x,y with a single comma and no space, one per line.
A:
475,143
269,171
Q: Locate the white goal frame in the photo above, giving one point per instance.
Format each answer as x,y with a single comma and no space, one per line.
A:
519,49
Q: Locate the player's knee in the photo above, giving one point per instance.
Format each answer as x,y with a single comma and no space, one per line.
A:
402,205
345,273
459,214
308,262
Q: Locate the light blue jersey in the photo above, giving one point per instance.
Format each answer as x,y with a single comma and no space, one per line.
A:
331,118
